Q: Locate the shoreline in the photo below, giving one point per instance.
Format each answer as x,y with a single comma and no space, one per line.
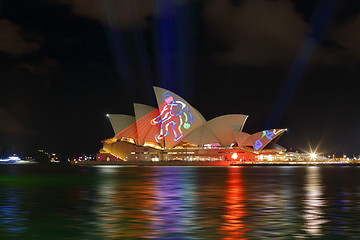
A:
208,163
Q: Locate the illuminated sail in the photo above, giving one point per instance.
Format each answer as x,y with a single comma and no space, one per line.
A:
177,118
123,126
263,138
146,131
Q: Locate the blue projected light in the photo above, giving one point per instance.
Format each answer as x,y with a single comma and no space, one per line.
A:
318,24
269,134
175,114
258,144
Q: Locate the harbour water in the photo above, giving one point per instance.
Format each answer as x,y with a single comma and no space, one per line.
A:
282,202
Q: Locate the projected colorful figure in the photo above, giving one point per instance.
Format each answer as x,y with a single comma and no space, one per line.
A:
269,134
174,114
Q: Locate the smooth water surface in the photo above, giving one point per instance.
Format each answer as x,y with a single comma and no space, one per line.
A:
38,202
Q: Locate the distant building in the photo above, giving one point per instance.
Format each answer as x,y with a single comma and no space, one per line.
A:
177,131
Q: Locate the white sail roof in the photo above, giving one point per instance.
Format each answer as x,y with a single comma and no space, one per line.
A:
224,126
243,139
176,120
201,136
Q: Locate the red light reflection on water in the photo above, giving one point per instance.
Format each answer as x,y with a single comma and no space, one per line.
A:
233,226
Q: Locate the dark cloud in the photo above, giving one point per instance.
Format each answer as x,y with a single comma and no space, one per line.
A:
347,35
257,32
13,41
9,125
43,67
121,14
264,32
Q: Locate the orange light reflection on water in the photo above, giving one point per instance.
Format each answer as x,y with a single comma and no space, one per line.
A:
233,226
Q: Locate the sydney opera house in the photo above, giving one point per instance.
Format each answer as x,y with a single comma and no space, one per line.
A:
176,131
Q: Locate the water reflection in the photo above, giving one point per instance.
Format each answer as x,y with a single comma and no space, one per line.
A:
12,215
342,202
314,203
271,203
339,216
181,203
121,205
175,203
234,226
158,203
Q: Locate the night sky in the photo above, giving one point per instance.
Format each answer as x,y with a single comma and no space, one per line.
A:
65,64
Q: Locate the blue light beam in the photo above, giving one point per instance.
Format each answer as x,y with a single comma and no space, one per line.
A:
319,22
172,38
141,47
119,51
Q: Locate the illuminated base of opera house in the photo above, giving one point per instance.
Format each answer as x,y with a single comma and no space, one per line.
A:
177,132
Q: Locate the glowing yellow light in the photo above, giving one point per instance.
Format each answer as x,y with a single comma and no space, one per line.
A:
313,155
